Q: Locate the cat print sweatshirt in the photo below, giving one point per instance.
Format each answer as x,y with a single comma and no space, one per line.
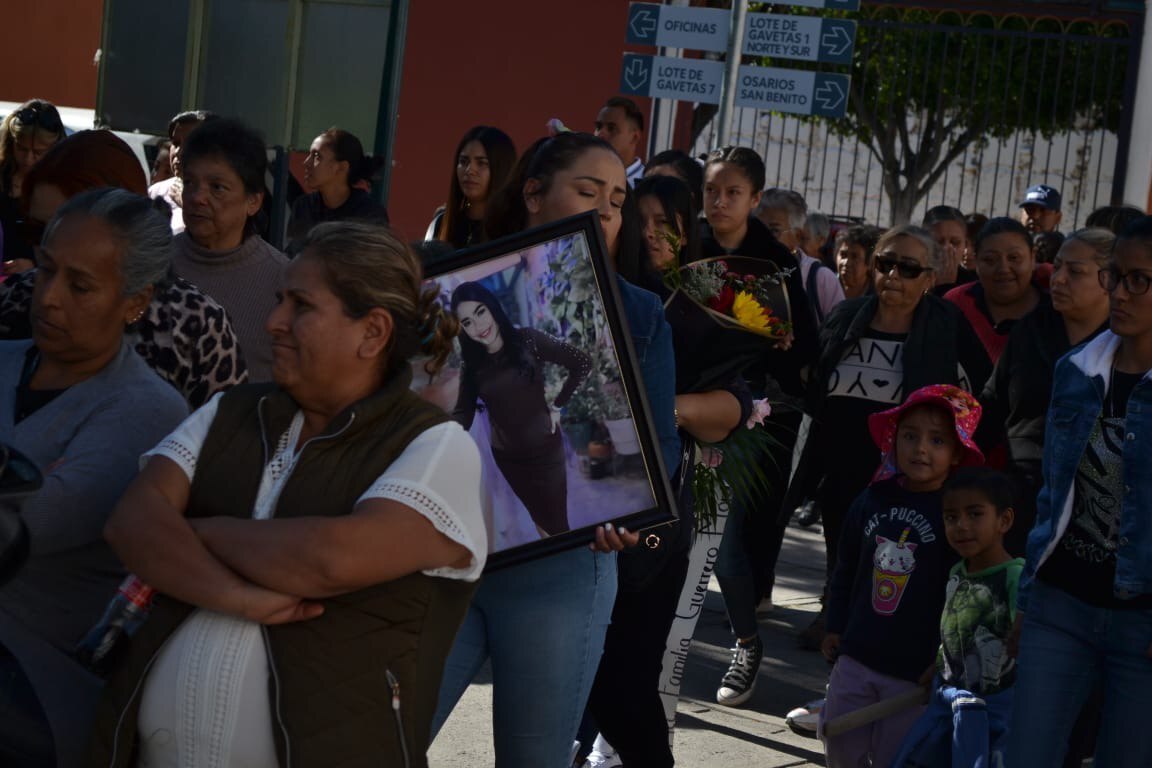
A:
887,590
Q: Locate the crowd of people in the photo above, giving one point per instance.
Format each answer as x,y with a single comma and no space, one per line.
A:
229,441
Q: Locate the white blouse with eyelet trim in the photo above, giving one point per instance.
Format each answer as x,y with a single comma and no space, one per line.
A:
205,700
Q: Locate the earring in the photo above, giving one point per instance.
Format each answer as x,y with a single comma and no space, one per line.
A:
136,319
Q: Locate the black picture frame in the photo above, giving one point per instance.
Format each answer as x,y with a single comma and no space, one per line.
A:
554,283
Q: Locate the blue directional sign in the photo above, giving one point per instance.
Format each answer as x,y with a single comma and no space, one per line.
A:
672,26
803,38
832,5
664,77
790,90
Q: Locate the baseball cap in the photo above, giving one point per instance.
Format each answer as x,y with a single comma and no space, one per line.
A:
1042,195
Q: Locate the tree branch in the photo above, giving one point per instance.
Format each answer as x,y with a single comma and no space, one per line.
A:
865,116
961,143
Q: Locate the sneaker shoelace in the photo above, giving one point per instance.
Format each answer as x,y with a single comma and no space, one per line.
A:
741,669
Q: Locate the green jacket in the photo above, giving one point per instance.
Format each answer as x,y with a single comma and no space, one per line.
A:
331,682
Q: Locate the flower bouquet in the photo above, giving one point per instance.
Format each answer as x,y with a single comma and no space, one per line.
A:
731,468
731,311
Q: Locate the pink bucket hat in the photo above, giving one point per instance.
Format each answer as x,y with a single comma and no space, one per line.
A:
965,412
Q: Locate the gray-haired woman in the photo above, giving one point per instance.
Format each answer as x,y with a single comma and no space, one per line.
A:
79,402
875,349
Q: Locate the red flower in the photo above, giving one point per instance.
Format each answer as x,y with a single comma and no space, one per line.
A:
722,302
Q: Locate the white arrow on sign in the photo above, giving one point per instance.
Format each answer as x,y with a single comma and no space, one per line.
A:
830,95
836,41
643,23
636,74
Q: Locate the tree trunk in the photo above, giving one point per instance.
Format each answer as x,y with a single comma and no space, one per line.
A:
903,201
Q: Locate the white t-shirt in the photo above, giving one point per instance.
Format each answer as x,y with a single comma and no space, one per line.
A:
205,699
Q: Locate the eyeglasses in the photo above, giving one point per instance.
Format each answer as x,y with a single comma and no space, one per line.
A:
909,270
46,118
1135,282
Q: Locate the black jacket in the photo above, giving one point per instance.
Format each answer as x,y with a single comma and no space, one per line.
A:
782,367
940,339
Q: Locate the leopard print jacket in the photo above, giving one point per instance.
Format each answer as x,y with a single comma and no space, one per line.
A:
184,336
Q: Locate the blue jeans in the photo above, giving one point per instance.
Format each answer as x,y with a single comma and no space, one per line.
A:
543,625
1066,647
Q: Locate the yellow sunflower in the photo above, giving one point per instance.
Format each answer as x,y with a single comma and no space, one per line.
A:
750,313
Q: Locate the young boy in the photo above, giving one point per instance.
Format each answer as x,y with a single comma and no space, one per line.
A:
968,714
887,589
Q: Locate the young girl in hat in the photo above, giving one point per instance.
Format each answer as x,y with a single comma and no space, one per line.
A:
888,587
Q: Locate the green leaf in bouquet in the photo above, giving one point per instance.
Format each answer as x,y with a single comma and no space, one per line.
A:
740,476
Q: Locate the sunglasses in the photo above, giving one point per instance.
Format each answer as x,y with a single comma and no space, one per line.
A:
1136,282
48,119
909,270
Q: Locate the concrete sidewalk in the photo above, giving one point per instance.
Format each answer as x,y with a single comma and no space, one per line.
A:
708,734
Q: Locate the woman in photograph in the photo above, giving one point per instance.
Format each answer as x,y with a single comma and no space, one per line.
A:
503,368
484,159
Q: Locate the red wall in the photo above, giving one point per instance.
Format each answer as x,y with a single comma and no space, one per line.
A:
512,64
47,51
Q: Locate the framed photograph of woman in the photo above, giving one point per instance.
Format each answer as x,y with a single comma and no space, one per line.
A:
544,378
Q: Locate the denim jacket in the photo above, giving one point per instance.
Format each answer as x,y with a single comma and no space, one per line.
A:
1081,382
652,343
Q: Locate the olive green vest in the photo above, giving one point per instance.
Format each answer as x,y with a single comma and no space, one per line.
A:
332,702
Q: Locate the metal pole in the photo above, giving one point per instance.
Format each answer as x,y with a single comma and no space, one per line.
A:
662,123
194,62
1134,170
102,64
295,35
731,71
387,110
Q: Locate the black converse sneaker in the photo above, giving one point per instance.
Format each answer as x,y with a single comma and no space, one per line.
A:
740,679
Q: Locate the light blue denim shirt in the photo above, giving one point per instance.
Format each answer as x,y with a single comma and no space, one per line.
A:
1081,381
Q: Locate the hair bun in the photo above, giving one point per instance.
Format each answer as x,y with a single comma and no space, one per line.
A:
435,329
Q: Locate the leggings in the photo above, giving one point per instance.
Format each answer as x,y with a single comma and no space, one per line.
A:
625,701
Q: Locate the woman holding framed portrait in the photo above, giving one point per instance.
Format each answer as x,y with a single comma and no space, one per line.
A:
562,602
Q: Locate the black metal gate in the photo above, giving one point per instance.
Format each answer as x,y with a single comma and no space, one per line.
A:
962,108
